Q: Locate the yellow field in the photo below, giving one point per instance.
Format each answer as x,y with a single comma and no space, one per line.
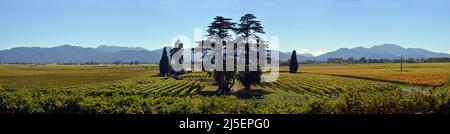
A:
416,73
48,76
28,76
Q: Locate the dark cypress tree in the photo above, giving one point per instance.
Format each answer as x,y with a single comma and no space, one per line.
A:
293,66
164,63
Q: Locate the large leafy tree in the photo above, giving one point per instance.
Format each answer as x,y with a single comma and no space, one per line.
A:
220,27
293,66
178,47
249,27
164,63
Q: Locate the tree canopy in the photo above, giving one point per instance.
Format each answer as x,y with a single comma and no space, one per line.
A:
220,27
249,26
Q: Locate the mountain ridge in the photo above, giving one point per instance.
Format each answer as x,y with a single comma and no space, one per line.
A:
384,51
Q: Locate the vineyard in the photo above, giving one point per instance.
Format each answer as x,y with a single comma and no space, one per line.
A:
195,75
427,74
142,86
198,76
327,86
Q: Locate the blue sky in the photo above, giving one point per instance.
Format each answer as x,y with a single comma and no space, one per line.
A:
323,25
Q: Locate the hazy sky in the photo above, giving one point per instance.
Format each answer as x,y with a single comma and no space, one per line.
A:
323,25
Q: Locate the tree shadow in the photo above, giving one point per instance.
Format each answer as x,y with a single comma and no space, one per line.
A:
255,93
207,93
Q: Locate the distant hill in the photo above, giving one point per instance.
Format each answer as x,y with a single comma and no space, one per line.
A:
65,53
385,51
75,54
113,49
129,55
300,57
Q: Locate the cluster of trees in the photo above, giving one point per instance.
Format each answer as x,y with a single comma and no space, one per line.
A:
364,60
90,63
25,63
75,63
178,48
118,62
70,63
221,27
247,27
443,59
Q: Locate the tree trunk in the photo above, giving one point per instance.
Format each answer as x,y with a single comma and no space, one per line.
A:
247,88
226,88
220,90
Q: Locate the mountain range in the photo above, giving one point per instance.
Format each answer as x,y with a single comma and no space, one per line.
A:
76,54
385,51
109,54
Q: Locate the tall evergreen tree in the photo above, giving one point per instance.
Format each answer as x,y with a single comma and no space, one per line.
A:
224,79
248,26
293,66
164,63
